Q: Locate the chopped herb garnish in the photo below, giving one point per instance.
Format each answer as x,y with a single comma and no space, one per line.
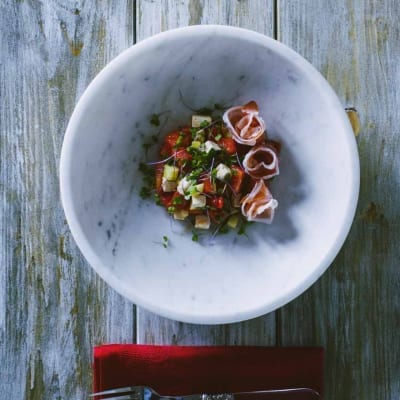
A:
177,200
157,199
243,226
145,192
204,111
165,241
155,119
224,229
195,237
218,137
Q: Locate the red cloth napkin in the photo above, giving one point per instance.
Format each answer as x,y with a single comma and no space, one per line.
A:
180,370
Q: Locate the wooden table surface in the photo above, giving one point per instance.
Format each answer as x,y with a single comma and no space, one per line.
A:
53,307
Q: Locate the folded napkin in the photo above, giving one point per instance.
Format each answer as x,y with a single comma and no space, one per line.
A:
180,370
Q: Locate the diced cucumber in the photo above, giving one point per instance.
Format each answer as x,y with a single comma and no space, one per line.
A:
170,172
233,221
196,144
196,189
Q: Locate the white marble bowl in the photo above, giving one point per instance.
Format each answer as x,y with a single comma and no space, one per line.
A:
236,277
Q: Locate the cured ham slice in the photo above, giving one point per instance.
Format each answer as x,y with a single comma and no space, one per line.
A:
259,205
245,123
261,162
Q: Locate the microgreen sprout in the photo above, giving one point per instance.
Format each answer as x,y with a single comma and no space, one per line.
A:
165,241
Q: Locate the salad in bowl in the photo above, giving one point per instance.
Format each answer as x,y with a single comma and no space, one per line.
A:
216,172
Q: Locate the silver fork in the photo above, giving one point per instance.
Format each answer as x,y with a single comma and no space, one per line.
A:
146,393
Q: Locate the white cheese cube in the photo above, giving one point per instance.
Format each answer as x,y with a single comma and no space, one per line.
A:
181,214
202,222
183,185
198,202
168,186
198,119
209,145
223,172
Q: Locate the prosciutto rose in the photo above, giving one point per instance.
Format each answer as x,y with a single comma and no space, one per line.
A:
259,205
244,123
261,162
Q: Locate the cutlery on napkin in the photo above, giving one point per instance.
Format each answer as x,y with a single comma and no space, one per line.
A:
146,393
185,370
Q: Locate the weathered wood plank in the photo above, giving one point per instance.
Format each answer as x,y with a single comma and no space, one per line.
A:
53,308
168,14
354,310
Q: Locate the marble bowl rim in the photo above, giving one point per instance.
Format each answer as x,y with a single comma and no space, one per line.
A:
89,95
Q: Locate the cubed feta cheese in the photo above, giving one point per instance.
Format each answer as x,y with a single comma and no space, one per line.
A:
183,185
181,214
168,186
202,222
198,202
209,145
198,119
223,172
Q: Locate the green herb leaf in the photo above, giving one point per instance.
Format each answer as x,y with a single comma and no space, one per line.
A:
165,241
177,200
195,237
157,199
154,119
204,124
145,192
204,111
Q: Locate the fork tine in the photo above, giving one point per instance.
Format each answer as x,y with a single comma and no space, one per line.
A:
123,397
133,390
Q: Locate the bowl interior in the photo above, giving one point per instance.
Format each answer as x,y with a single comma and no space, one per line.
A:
232,277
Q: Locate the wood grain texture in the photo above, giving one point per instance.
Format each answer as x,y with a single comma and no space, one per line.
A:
354,310
154,17
53,308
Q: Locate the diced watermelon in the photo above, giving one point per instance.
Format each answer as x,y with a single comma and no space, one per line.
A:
237,178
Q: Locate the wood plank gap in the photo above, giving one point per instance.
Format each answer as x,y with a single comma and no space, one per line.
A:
278,328
135,22
134,41
276,27
134,324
